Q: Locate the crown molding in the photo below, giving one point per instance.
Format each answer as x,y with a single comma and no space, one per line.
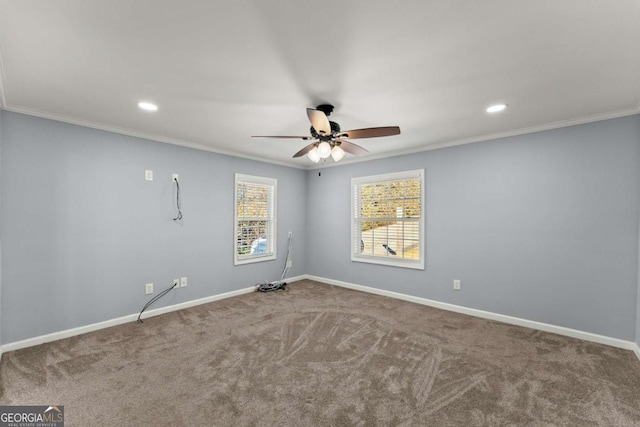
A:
491,137
429,147
150,137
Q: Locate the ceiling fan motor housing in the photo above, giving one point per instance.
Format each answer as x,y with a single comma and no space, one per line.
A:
335,129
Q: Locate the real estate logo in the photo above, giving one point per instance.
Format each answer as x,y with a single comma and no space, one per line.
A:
32,416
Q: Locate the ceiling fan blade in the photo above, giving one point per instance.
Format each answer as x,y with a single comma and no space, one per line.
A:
305,138
370,132
351,148
319,121
305,150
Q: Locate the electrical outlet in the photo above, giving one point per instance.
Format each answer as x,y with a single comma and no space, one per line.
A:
183,282
175,177
148,288
148,175
456,285
176,283
290,234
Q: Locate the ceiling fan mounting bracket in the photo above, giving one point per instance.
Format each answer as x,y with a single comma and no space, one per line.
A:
327,109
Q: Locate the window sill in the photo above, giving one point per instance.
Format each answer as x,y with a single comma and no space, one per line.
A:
254,258
416,265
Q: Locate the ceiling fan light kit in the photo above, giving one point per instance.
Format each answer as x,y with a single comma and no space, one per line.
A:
330,140
337,153
313,155
324,149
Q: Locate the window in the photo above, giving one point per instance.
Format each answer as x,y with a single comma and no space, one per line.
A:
255,219
387,219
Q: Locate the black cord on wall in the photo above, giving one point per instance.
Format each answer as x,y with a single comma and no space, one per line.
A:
154,299
179,216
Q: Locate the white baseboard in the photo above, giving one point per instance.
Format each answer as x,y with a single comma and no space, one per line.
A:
30,342
587,336
560,330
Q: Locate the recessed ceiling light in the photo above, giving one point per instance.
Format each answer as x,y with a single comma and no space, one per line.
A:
496,108
148,106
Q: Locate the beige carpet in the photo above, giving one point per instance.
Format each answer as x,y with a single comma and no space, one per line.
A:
316,355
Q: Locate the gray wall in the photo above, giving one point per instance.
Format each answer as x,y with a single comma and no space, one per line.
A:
638,305
1,127
542,226
82,231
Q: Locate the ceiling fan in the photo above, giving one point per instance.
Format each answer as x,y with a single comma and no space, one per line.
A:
330,140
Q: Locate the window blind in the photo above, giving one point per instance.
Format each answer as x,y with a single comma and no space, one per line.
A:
255,218
387,223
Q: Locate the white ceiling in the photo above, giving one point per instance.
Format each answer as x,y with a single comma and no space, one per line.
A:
223,71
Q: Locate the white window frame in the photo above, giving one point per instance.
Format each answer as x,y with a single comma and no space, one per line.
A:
356,233
272,185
